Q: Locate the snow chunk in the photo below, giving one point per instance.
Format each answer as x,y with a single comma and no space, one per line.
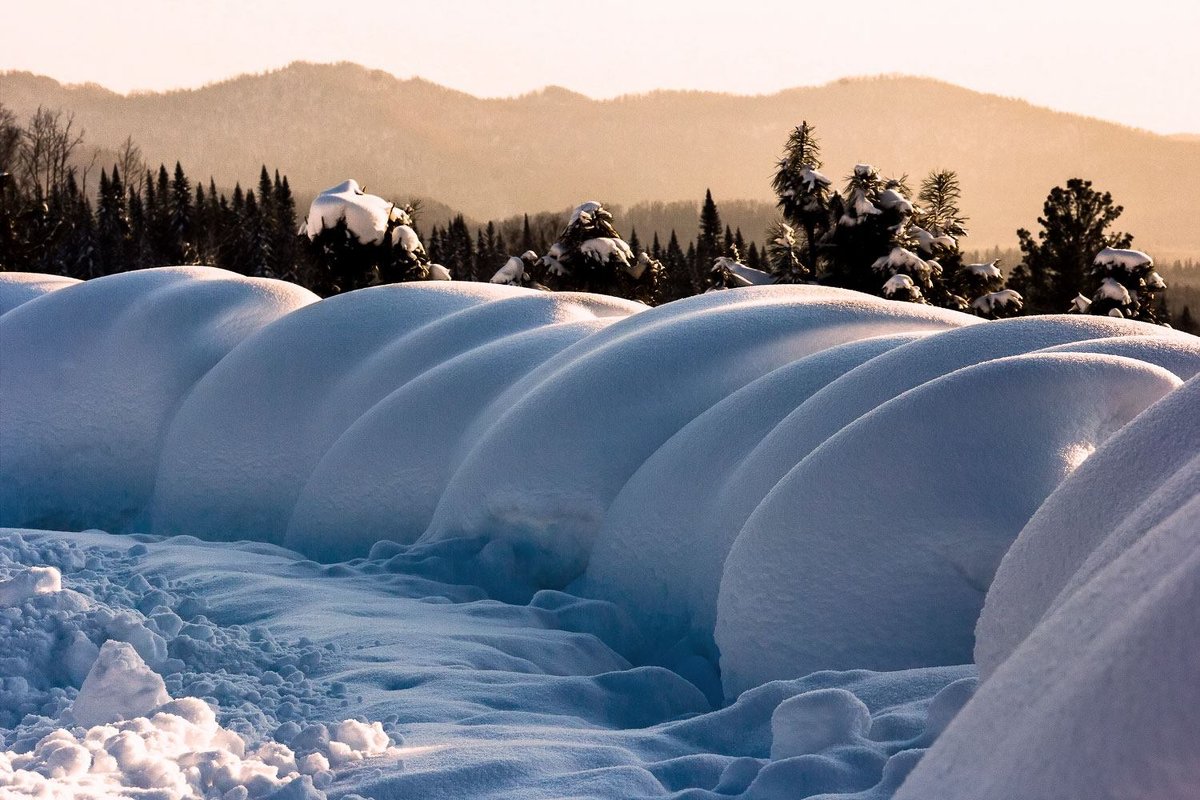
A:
406,238
24,584
437,272
585,212
367,216
813,722
891,199
119,686
1080,304
813,179
742,275
511,273
1131,261
927,241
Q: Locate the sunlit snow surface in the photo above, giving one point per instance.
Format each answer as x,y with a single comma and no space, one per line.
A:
597,549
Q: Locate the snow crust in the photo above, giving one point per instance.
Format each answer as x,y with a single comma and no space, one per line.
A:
745,276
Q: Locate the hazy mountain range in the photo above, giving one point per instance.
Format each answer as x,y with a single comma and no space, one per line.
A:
491,158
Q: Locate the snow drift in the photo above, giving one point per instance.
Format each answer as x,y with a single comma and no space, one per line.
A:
1089,644
797,474
92,374
20,287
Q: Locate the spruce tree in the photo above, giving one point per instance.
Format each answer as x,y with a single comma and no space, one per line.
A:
803,192
709,244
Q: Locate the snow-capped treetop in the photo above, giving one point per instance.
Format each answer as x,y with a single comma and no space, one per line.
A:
902,260
891,198
367,216
864,171
988,271
585,213
406,238
1111,289
1128,260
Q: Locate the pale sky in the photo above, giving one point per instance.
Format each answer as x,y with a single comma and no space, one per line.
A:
1133,62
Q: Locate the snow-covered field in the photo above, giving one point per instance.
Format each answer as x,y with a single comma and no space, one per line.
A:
471,540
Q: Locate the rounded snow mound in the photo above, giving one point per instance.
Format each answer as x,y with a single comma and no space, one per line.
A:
247,439
611,404
876,550
1090,687
21,287
1145,472
92,375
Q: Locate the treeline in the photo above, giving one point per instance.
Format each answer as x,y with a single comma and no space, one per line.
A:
869,236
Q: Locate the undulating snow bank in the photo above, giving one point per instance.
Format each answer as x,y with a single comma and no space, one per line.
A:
656,553
1091,688
877,549
615,403
253,430
1144,473
92,374
677,461
21,287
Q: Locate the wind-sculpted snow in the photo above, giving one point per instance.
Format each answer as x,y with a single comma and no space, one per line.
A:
253,431
21,287
674,579
614,404
876,550
1089,642
1143,474
804,477
92,374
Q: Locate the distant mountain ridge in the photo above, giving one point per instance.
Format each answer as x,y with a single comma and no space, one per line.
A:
550,149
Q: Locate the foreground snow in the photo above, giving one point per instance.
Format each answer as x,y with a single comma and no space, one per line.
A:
459,696
599,549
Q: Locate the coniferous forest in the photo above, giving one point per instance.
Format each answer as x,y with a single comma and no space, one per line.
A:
889,235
